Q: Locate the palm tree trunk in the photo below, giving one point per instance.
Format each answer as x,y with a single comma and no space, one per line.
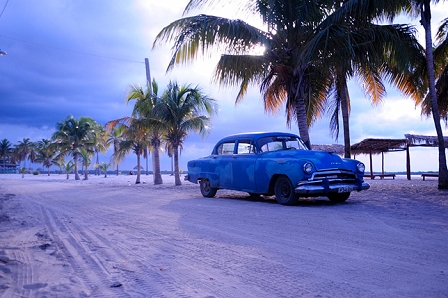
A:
296,96
147,159
156,164
426,22
345,109
301,120
137,181
75,157
97,169
176,166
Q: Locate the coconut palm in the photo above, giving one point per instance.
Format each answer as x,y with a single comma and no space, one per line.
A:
73,134
101,143
85,157
279,72
23,151
46,154
145,102
103,167
425,20
67,166
389,9
357,47
183,109
134,138
441,74
6,150
114,138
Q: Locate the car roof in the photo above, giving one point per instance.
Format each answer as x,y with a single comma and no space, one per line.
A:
256,135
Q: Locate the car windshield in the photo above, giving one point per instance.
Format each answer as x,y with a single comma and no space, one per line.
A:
281,143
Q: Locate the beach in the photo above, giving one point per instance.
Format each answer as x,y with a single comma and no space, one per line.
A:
110,237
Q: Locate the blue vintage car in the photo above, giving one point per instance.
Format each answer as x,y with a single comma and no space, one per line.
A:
274,163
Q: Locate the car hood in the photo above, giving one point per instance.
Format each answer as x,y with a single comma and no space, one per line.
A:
320,159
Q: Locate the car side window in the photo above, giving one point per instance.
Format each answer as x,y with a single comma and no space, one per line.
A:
226,148
245,147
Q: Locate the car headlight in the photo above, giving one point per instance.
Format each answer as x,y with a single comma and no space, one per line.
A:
308,168
361,167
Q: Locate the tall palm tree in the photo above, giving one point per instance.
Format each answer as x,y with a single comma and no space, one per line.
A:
145,100
73,134
389,9
134,138
441,73
425,20
5,152
114,138
355,46
279,72
181,111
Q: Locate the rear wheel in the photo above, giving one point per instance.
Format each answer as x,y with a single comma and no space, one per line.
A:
284,191
338,197
206,189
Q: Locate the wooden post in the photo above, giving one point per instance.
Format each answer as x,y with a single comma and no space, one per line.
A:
408,163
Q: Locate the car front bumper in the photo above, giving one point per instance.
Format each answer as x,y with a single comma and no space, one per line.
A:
325,186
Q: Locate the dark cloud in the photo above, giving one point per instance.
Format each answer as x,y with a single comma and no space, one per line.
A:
79,58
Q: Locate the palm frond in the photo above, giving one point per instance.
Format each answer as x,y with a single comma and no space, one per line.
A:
199,34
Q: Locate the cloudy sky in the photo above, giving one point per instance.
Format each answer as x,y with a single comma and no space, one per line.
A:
79,58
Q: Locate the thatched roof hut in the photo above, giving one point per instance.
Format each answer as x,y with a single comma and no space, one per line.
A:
377,146
424,141
334,148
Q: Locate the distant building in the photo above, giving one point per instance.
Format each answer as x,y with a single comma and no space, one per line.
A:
6,167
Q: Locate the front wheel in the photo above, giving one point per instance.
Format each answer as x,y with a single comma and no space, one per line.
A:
338,197
284,191
206,189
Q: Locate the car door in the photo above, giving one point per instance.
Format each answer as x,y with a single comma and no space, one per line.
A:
223,164
244,166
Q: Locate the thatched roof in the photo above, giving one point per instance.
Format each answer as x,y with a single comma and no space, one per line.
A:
376,146
424,141
336,148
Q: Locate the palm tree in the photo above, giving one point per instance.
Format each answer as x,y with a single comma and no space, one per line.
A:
354,46
114,138
5,152
46,154
71,135
181,112
101,143
134,138
23,150
145,102
425,10
85,156
67,166
279,72
103,167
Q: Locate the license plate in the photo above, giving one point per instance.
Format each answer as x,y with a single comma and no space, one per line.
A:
345,189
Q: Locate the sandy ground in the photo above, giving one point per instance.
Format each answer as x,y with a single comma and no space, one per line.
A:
107,237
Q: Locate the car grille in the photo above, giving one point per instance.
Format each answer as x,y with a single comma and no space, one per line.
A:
333,175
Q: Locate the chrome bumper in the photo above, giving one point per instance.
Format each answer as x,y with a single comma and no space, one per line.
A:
324,187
